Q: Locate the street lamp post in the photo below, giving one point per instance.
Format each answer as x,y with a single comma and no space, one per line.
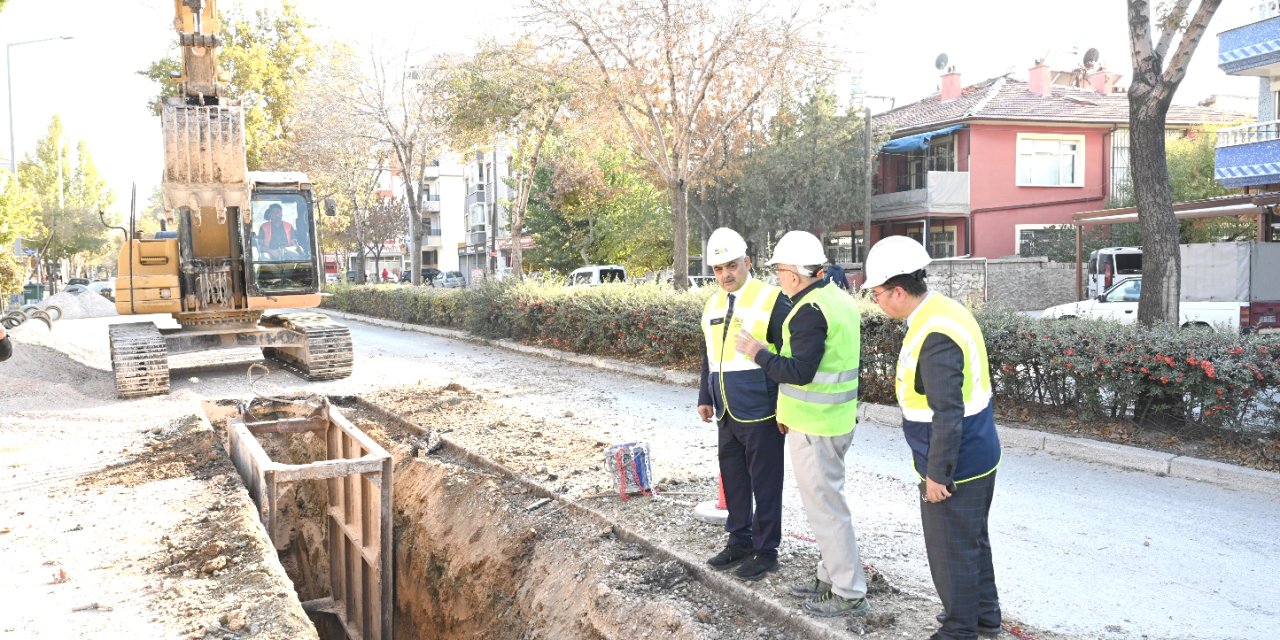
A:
8,75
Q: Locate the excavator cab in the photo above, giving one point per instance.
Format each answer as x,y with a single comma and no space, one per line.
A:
280,244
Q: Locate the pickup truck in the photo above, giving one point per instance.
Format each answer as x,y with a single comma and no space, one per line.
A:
1120,304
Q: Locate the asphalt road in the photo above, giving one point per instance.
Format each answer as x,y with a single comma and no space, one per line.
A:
1082,549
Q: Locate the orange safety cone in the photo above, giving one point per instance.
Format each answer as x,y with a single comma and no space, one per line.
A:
713,511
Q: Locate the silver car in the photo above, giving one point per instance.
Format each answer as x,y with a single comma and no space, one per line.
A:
451,280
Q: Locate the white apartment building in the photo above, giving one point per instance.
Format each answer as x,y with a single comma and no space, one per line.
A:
487,242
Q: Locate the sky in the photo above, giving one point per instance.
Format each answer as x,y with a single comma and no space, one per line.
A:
91,80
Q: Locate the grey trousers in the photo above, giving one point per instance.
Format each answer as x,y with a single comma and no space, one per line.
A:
818,463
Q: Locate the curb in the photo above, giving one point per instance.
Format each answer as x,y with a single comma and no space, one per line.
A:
1105,453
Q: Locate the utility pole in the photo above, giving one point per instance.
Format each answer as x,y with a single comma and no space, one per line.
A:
866,195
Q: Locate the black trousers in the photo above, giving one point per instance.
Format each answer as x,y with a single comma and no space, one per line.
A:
751,459
959,549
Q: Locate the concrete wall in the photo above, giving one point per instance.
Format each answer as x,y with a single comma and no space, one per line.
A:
1020,284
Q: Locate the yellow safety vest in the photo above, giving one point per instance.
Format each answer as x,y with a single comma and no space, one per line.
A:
735,375
938,313
827,406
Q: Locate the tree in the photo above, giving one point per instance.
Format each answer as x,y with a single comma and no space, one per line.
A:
401,99
17,222
342,152
512,94
381,224
69,193
592,207
681,74
266,56
1155,79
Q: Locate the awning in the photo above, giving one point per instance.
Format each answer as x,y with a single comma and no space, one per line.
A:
918,142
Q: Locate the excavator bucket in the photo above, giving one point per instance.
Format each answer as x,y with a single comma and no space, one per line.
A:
204,157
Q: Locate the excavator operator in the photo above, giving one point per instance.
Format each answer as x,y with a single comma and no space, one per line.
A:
277,239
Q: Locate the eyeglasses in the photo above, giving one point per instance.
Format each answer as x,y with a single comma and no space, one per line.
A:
776,270
875,295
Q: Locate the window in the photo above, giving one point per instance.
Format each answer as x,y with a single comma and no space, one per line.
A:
1034,239
942,240
1129,291
280,243
1050,160
942,155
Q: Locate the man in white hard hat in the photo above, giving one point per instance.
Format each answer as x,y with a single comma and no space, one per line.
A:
817,375
943,385
742,400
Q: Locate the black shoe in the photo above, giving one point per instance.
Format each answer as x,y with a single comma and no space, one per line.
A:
728,556
756,565
983,630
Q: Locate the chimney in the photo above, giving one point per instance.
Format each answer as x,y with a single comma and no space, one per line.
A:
1038,81
950,85
1099,82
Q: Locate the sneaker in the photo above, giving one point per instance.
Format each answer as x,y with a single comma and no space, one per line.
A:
832,604
809,588
728,556
756,565
983,630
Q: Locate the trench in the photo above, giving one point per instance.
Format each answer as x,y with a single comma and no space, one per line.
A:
480,552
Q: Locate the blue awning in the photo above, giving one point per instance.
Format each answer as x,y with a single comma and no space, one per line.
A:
918,142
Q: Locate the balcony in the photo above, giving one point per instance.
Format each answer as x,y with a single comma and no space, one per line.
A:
941,192
477,238
475,197
1253,49
1248,156
431,203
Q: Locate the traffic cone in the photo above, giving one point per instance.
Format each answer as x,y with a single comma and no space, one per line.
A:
713,511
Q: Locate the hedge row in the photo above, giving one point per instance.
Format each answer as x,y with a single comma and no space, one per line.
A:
1191,380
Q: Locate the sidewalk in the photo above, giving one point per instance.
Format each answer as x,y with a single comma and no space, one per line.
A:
1105,453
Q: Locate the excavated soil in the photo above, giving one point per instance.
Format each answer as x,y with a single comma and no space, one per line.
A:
480,553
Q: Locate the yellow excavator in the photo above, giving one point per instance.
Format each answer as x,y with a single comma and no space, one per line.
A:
237,243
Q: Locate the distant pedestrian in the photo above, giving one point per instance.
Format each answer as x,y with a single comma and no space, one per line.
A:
735,392
385,274
834,273
817,376
943,385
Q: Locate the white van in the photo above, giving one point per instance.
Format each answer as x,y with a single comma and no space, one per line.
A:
1107,266
592,275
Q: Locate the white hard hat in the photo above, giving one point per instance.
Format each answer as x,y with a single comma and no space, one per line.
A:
725,245
894,256
799,248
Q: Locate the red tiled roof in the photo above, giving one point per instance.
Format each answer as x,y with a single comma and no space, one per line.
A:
1004,98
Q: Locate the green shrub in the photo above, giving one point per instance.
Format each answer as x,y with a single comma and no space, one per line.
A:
1185,379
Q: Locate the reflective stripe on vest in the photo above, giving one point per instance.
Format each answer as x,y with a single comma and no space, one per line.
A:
752,309
828,405
940,314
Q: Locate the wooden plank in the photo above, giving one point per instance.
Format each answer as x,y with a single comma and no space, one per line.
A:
370,604
273,502
320,605
337,560
386,553
369,513
355,570
289,425
351,430
325,469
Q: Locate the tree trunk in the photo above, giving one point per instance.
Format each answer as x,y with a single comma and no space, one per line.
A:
678,192
1161,261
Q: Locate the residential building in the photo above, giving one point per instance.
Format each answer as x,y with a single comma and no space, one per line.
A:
442,195
486,243
1248,156
979,170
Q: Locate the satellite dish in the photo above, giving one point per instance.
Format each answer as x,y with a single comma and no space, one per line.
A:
1090,58
940,62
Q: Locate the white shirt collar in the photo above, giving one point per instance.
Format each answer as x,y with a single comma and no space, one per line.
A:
917,309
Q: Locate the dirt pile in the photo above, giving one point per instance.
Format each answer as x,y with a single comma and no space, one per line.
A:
80,303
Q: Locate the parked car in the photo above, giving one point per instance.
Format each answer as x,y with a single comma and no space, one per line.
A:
331,277
429,275
104,288
1120,304
451,280
592,275
79,281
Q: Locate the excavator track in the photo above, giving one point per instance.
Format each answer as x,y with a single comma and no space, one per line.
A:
140,360
326,355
